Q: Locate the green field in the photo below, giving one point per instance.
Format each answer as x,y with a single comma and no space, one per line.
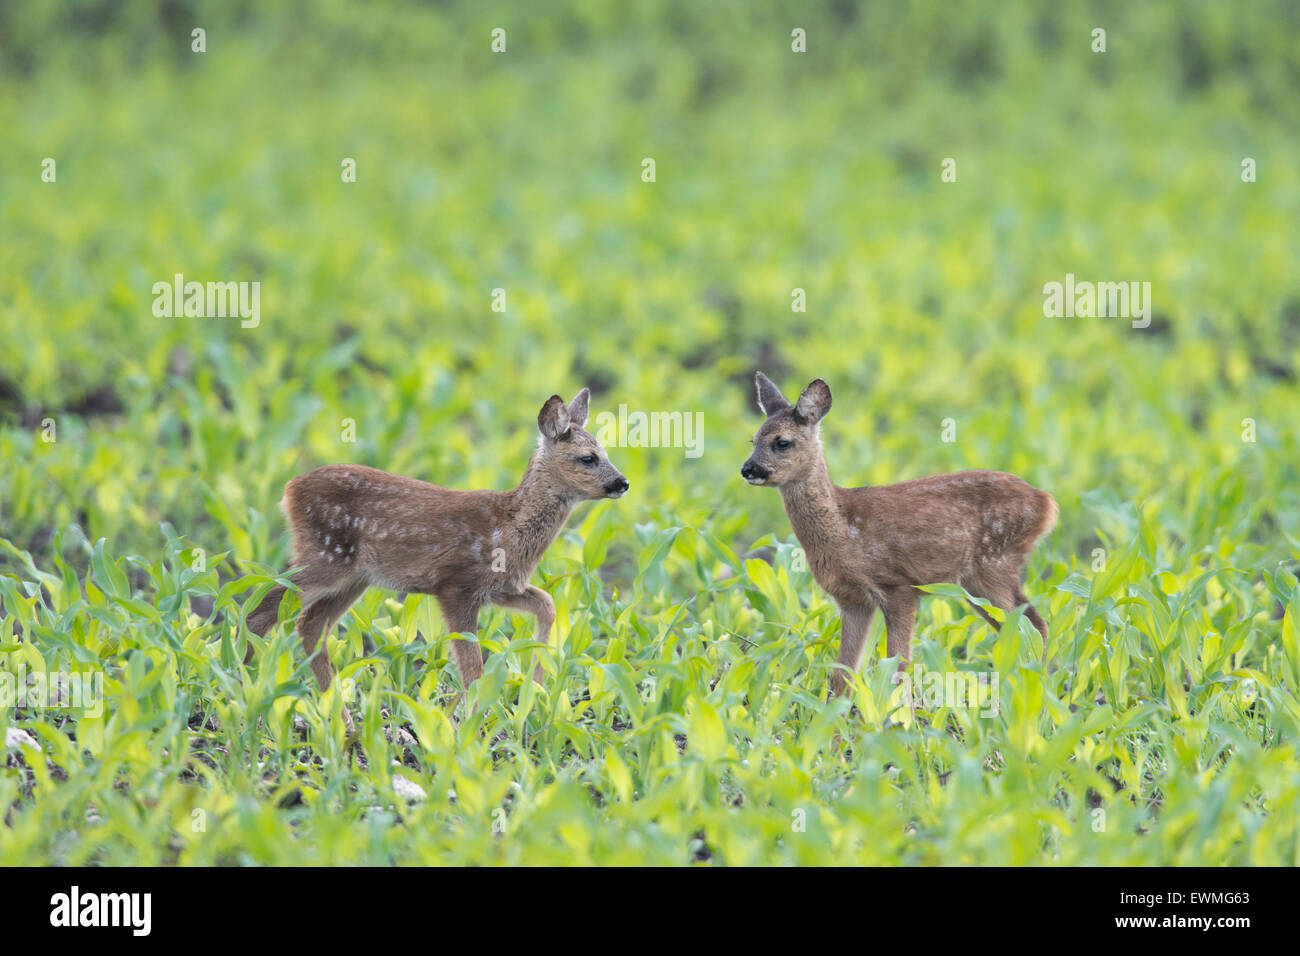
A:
683,718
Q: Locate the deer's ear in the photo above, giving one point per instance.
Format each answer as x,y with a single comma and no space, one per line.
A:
770,399
814,402
553,419
578,408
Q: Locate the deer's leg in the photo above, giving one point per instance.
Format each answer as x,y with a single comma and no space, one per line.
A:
462,618
855,621
995,584
315,579
263,618
317,617
900,617
538,603
1008,597
1035,618
314,623
986,615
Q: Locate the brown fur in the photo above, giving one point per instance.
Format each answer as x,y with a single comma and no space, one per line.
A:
869,547
356,527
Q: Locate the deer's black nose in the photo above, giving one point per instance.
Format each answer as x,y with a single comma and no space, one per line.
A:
617,486
750,471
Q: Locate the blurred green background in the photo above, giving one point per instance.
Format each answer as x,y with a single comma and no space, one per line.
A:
774,171
522,171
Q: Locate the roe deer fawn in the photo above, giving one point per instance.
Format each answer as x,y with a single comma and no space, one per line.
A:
354,527
869,547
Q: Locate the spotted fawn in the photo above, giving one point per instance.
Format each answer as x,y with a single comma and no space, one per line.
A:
870,547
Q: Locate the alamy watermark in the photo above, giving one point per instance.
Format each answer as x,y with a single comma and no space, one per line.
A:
41,690
211,300
964,690
1086,300
651,430
132,911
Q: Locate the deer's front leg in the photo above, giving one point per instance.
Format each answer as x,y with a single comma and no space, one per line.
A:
855,621
900,616
538,603
462,618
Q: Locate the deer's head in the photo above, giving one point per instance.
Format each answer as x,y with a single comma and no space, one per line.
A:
787,446
570,458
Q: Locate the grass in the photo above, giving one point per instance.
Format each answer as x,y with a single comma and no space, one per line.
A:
683,718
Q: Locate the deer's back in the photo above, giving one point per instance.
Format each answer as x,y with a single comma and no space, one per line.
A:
394,531
943,527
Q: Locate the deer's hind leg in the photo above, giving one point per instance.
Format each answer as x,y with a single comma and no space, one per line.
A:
1035,618
317,577
319,614
261,619
1006,596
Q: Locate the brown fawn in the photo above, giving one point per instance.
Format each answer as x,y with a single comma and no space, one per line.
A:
870,547
356,527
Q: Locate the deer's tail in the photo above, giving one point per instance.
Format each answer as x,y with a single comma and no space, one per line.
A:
1050,513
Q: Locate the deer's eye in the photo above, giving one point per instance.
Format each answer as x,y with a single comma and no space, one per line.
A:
781,444
588,459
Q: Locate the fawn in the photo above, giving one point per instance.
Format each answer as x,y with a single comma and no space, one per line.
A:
869,547
356,527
